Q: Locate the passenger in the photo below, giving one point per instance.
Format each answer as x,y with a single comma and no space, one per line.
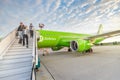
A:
31,30
25,36
41,26
20,29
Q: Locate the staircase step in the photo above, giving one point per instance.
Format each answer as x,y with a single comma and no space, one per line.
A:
15,61
17,56
20,50
20,45
16,43
24,76
17,71
30,47
18,53
15,66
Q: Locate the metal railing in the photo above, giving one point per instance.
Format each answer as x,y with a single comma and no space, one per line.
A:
35,56
6,42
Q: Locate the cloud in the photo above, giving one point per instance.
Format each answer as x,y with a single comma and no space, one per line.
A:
84,4
57,5
79,15
70,3
38,2
49,3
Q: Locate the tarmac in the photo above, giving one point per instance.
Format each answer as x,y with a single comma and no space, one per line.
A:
102,64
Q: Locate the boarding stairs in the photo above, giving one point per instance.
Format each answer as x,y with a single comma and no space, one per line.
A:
16,61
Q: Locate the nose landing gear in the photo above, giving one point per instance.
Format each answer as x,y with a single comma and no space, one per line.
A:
69,50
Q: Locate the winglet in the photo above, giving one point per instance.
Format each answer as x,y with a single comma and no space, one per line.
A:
100,30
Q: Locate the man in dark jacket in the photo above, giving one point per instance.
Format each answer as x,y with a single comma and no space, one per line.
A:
20,31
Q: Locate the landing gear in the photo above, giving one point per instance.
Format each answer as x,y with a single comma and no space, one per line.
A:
43,54
69,50
89,51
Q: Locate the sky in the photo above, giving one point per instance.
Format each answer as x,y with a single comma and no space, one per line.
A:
79,16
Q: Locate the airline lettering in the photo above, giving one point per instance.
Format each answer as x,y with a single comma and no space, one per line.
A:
46,38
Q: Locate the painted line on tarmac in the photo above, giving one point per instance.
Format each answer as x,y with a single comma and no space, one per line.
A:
47,70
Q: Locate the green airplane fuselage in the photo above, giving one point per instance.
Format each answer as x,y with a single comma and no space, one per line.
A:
60,39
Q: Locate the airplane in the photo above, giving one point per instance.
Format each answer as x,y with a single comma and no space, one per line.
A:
75,42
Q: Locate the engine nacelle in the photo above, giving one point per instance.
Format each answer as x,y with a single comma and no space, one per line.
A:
80,45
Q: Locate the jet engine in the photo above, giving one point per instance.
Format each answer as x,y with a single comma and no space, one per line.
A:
80,45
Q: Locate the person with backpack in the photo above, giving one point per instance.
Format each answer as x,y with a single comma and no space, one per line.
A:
20,32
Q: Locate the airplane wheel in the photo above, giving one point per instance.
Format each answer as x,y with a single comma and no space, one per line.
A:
87,51
43,54
91,50
69,50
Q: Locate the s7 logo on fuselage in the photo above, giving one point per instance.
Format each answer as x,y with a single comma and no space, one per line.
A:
41,39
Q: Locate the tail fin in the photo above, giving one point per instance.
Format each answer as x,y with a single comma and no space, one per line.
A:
100,30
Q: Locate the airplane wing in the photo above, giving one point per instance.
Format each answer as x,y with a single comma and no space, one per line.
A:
104,35
108,43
